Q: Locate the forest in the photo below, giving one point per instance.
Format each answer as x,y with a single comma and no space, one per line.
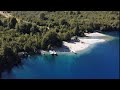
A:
31,30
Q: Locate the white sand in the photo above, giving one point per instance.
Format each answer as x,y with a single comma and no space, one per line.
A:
94,34
77,46
82,44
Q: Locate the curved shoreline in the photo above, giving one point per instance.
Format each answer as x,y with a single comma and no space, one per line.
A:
90,44
82,43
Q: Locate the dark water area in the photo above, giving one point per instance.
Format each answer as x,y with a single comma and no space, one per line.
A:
99,62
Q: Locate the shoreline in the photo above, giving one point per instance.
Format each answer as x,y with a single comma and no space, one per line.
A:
74,47
77,46
82,43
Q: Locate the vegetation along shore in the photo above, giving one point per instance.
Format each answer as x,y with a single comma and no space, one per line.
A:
28,32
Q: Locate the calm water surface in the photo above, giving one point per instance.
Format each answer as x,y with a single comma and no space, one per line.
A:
100,61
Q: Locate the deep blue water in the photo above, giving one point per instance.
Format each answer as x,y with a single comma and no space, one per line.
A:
99,62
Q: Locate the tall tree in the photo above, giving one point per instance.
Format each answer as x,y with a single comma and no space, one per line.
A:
51,38
12,22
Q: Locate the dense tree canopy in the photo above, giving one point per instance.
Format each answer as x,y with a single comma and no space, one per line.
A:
30,30
45,29
52,39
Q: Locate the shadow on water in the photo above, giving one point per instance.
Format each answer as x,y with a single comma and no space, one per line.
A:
50,59
113,33
7,68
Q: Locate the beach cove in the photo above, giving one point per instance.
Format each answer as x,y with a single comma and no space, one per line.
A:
59,44
82,43
92,63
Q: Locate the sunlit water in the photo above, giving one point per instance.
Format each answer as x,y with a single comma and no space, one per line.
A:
100,61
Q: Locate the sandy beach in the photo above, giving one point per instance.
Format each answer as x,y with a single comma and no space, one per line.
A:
83,43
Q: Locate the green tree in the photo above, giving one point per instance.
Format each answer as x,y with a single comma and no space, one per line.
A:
76,32
34,29
67,36
64,22
24,28
51,38
1,28
42,16
1,23
8,52
12,22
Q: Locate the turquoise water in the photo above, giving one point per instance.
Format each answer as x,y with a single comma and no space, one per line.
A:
100,61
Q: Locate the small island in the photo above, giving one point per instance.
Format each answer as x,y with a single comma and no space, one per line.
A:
25,33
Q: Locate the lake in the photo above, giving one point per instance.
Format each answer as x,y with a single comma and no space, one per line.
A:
100,61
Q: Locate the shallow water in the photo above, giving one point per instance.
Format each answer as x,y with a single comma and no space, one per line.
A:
100,61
